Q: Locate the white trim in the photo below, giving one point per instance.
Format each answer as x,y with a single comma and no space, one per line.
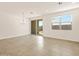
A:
62,38
1,38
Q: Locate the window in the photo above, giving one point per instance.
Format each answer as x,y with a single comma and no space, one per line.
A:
40,23
62,22
56,23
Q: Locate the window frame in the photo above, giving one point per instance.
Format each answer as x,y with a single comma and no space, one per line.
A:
60,22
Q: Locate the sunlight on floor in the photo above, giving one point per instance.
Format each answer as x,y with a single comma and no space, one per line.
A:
40,42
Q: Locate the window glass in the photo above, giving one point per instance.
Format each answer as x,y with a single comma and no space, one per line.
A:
63,22
66,18
40,23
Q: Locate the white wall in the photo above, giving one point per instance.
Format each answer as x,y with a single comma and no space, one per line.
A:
11,25
62,34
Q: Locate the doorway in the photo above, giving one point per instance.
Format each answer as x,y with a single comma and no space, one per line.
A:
37,27
40,27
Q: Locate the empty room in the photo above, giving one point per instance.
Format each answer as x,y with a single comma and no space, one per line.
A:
39,29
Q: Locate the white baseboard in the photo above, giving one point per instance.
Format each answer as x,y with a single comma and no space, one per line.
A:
61,38
11,36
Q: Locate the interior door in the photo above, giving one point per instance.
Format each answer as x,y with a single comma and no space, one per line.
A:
33,27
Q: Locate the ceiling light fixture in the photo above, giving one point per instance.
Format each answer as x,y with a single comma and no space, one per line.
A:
59,3
31,12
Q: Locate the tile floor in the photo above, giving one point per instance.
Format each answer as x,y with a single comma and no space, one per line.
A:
38,46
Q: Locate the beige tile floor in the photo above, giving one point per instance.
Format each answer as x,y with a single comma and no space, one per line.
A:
38,46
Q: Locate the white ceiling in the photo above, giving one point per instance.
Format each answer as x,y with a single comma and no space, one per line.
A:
37,8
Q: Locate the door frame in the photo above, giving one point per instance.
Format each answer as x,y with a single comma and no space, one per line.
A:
36,25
